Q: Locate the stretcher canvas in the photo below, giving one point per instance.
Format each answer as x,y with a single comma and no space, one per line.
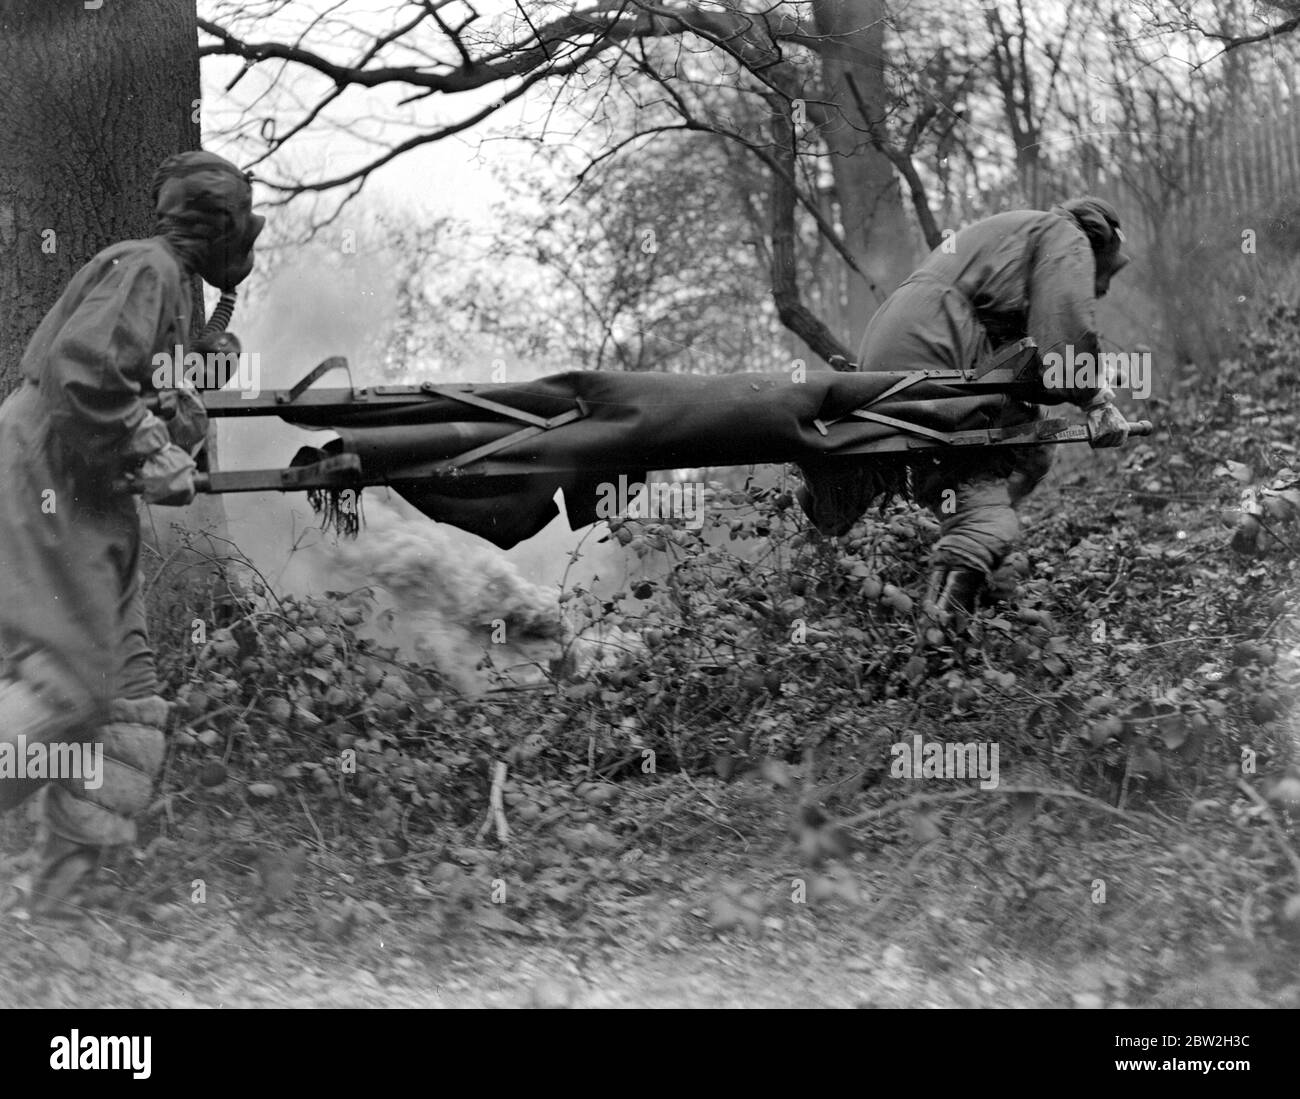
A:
632,424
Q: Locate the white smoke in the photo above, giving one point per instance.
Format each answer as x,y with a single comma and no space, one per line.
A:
453,599
447,595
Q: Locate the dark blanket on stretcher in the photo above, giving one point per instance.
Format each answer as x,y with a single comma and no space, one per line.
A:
634,423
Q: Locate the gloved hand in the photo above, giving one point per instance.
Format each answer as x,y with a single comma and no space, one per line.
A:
149,436
1106,426
186,418
166,477
156,467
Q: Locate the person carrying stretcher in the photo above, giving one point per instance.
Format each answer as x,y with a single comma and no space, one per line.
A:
77,666
1022,273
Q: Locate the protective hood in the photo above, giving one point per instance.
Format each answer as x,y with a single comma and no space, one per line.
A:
1099,221
204,206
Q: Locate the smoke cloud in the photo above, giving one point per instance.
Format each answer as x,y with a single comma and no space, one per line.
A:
449,593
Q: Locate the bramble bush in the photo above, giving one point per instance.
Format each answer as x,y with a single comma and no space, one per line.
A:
1087,658
1125,655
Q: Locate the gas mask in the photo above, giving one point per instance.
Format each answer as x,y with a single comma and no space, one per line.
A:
205,211
1109,264
1100,224
229,258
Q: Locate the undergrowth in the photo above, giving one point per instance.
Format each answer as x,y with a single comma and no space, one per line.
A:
1134,674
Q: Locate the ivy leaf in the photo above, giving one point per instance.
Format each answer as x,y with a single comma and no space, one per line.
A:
1145,762
1238,471
1104,730
924,828
1172,731
1036,719
777,772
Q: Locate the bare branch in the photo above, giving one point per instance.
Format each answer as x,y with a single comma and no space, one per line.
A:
901,159
785,286
1231,42
512,62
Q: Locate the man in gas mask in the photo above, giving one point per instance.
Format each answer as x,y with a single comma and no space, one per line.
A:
77,666
1022,273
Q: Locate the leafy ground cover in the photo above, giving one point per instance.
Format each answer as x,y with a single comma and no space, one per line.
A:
708,811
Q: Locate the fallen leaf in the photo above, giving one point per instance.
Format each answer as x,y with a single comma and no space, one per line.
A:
493,919
924,828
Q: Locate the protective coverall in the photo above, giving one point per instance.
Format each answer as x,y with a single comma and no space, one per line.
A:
1022,273
78,669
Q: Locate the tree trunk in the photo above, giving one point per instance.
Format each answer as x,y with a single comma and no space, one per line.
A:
95,98
874,225
96,94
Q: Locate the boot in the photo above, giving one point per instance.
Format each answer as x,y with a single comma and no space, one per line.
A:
83,818
952,595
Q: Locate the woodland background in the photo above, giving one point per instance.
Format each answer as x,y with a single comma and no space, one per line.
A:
698,188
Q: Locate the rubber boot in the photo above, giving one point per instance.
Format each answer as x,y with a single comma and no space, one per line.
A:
952,594
85,816
39,709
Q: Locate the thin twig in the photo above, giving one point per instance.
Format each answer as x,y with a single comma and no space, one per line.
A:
962,795
1273,826
320,839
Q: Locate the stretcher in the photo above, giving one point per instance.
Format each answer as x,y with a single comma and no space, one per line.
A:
490,457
